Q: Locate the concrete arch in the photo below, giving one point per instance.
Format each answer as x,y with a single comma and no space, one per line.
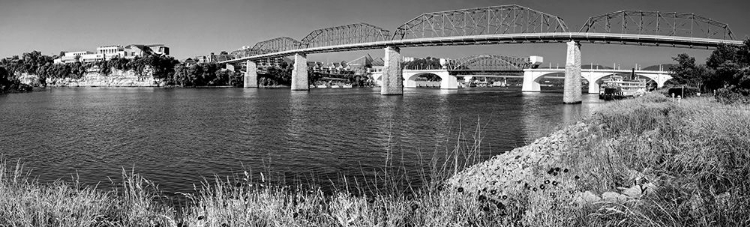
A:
447,81
411,81
532,77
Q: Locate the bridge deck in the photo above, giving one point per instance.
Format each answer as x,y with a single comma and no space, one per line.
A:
557,37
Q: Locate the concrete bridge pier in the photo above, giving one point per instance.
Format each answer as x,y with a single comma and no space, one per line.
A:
299,73
592,78
661,80
593,88
393,82
251,75
529,82
572,89
448,81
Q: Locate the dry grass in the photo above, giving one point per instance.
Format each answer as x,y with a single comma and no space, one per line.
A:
25,202
696,152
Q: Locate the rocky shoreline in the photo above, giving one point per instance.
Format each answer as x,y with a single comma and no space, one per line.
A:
537,174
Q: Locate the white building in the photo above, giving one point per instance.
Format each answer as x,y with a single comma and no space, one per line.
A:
79,56
109,52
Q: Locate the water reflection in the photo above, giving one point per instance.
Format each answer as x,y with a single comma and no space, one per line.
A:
544,112
176,137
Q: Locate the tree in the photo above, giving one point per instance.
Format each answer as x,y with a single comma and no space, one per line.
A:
729,66
686,72
3,73
180,75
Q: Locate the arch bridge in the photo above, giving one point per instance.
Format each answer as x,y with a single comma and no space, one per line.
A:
532,77
506,24
450,69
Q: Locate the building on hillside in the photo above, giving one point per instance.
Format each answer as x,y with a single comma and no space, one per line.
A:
360,66
112,51
79,56
189,62
159,49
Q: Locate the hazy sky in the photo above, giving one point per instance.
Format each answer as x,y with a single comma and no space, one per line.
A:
198,27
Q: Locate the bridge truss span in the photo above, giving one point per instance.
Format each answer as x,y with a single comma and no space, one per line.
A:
276,45
488,63
506,19
658,23
346,34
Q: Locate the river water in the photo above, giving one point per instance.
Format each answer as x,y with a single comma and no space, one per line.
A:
176,137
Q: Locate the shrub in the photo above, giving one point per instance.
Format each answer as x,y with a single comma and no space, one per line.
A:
733,95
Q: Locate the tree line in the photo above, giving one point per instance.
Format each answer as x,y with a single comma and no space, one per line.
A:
726,72
163,68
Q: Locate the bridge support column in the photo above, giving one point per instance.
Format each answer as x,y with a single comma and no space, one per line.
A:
572,90
393,82
661,80
251,75
591,78
529,82
593,88
448,81
299,73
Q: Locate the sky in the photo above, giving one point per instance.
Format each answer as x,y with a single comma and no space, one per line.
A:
199,27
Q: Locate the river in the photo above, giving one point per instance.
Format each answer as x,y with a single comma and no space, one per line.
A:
176,137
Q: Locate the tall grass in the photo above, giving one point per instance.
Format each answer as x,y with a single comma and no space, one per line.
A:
25,202
387,199
696,153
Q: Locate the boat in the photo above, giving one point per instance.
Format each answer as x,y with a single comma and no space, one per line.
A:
616,87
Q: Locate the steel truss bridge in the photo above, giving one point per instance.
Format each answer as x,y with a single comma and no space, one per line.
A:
503,25
506,24
488,63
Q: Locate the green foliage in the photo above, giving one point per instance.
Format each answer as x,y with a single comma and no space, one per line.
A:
733,96
161,67
422,63
203,74
280,75
726,71
686,72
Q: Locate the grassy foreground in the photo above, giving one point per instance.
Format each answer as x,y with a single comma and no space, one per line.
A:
695,154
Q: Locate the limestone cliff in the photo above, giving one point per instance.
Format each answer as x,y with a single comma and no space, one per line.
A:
118,78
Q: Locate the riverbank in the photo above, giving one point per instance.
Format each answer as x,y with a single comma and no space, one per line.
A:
586,174
642,162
